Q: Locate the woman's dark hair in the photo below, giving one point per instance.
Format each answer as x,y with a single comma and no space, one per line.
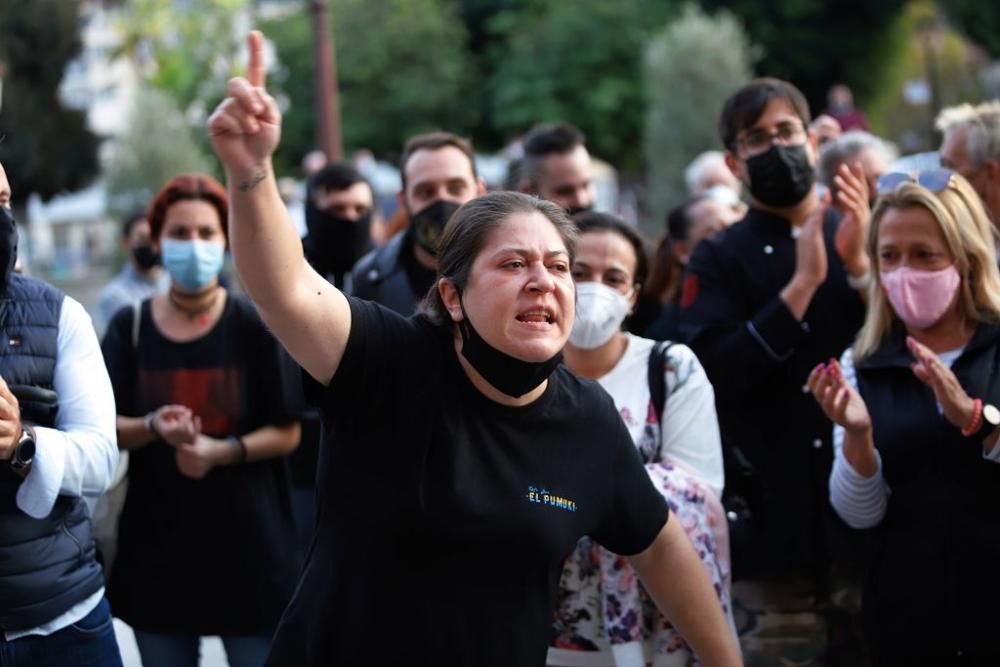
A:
468,231
742,109
591,221
197,187
665,278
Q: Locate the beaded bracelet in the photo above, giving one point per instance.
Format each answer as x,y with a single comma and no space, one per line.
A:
977,418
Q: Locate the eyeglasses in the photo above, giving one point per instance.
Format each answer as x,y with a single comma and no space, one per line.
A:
934,180
756,142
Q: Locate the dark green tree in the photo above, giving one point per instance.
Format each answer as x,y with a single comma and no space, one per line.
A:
291,82
577,61
817,43
979,20
403,69
692,65
46,147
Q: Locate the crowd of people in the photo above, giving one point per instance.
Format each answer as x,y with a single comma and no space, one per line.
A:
515,432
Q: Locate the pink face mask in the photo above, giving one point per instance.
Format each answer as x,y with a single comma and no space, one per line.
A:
920,297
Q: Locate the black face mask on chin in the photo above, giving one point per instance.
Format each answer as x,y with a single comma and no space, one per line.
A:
782,176
8,246
508,374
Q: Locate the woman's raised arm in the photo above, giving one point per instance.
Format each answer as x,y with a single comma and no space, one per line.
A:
309,316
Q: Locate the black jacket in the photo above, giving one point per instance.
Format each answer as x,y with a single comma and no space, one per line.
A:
931,592
381,276
758,357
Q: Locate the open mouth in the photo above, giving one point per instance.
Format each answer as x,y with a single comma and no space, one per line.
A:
537,316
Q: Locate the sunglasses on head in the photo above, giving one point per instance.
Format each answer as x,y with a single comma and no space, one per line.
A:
934,180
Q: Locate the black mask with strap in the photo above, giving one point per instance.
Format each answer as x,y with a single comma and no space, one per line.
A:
507,374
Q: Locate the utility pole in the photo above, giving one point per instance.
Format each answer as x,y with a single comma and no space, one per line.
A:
325,83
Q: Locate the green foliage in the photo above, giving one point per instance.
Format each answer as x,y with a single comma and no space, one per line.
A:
291,82
817,43
691,67
402,67
157,146
580,62
978,19
46,148
926,49
187,49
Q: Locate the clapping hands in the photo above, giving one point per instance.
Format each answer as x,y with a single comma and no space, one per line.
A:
839,400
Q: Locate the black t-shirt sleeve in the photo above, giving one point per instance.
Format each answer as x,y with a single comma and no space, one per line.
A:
120,359
385,359
636,511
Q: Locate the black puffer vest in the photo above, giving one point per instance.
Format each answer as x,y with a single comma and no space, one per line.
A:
931,594
46,565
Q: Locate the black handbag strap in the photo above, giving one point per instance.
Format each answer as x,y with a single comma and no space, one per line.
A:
656,379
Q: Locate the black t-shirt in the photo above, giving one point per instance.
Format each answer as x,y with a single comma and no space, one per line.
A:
444,518
215,555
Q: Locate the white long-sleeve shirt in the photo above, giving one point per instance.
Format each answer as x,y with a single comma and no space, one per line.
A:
862,501
78,455
689,433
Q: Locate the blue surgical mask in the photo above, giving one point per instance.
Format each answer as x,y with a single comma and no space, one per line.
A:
192,265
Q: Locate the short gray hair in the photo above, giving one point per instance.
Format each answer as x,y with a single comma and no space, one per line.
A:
982,142
695,171
846,147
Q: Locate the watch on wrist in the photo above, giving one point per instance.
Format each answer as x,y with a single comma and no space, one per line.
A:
24,450
991,421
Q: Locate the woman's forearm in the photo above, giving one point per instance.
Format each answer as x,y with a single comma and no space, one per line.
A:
267,250
674,575
859,451
310,316
269,442
133,432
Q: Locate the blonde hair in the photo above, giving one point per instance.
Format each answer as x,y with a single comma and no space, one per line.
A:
970,239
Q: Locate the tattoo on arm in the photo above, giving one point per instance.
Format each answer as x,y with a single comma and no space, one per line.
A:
252,182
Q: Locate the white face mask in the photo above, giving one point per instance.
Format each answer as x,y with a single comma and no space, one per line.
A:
600,311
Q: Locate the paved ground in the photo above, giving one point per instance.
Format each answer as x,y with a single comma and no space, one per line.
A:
212,653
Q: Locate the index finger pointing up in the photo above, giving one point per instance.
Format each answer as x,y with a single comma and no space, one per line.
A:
255,69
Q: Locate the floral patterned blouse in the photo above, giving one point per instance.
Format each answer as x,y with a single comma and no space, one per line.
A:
604,617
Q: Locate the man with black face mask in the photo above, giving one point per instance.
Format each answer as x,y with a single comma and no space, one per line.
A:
338,219
762,304
557,167
439,175
140,278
